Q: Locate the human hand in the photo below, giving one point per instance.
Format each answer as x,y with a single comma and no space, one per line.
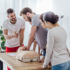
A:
26,47
21,49
15,35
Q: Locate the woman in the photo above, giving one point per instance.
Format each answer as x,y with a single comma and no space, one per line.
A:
57,52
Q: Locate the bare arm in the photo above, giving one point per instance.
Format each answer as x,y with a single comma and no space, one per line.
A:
5,32
32,34
21,36
34,46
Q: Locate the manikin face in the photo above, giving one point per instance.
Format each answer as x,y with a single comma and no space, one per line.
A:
12,18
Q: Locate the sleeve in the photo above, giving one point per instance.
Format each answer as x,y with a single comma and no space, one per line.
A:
35,21
23,24
4,26
49,49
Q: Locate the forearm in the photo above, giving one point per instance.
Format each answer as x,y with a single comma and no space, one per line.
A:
38,50
5,32
49,52
49,49
32,35
31,39
34,46
21,39
21,36
8,37
47,60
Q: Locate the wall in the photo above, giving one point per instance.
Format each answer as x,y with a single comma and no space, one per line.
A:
61,7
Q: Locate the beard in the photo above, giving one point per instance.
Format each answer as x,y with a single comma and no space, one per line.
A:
29,19
13,21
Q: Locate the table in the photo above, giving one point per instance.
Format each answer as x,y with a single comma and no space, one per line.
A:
15,64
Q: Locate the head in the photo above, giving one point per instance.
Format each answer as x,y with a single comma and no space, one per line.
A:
42,21
50,20
26,13
11,15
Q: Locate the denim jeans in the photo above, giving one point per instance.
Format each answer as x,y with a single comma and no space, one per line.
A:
44,52
63,66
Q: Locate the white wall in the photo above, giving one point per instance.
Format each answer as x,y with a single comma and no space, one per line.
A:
61,7
43,6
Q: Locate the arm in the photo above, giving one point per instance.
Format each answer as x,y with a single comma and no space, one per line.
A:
5,32
68,52
21,32
34,46
39,50
49,49
32,34
21,36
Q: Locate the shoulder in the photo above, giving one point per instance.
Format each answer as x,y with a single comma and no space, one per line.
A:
52,32
35,17
35,20
57,31
20,23
5,22
20,20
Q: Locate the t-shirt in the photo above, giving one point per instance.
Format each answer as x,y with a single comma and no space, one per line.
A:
41,33
12,28
56,50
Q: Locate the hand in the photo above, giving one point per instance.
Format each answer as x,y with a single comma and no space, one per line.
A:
21,49
21,45
26,47
15,35
49,66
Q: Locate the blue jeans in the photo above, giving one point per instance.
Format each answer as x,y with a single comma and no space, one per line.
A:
44,52
63,66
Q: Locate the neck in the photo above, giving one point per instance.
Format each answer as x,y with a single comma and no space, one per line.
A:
32,15
54,25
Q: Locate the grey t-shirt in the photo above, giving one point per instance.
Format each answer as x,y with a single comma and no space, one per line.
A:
41,33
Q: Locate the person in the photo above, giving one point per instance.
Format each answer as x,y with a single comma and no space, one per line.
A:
34,43
34,47
13,30
37,33
57,52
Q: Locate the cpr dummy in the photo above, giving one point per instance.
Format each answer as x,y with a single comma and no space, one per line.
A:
27,56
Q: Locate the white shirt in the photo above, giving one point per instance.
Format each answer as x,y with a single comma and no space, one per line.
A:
56,51
12,28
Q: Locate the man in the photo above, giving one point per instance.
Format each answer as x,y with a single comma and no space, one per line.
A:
37,31
13,30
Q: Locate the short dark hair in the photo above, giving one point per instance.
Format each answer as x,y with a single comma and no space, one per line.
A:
25,10
51,17
10,11
41,17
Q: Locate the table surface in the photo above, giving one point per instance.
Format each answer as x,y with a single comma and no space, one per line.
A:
15,64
